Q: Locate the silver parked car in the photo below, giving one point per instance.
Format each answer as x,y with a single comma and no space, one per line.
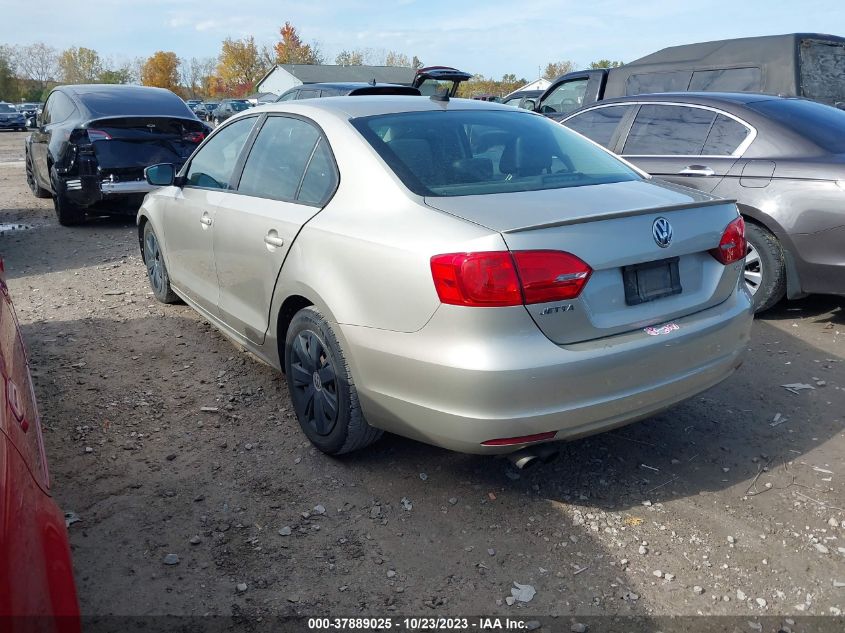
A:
463,273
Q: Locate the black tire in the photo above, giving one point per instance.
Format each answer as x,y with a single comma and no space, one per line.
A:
67,212
765,272
156,270
37,190
318,375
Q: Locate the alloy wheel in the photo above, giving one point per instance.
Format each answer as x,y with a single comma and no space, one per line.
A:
753,272
315,383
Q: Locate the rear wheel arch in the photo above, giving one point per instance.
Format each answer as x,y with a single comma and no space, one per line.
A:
290,306
754,216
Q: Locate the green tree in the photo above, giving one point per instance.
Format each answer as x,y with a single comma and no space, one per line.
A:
9,87
80,65
556,69
605,63
122,75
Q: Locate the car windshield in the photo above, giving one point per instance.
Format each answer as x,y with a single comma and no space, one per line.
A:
822,125
472,152
239,106
5,107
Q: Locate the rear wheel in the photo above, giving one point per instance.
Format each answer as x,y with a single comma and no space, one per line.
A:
765,273
156,270
321,387
37,190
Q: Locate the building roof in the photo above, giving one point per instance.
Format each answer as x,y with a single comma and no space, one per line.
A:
323,73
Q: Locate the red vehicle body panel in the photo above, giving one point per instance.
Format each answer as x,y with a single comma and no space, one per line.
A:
37,590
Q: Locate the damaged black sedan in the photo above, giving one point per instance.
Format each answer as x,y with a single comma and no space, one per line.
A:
92,142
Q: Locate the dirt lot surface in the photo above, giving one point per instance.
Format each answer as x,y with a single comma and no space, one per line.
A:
731,503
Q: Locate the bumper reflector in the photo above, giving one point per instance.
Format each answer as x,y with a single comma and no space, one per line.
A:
523,439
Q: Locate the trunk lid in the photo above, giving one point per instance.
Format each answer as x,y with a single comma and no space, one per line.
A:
126,145
439,79
610,227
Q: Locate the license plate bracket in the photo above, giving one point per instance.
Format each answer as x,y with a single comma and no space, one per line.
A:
650,281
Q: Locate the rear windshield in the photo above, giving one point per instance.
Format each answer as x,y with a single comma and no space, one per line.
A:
239,106
472,152
822,125
135,103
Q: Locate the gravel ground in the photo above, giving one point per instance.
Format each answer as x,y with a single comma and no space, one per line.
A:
731,503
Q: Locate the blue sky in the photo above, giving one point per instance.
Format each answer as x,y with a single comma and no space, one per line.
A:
491,37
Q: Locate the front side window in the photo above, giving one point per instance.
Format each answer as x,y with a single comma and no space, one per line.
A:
567,97
668,130
277,161
598,124
475,152
213,165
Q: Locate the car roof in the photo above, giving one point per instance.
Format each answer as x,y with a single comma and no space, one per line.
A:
700,98
369,105
350,85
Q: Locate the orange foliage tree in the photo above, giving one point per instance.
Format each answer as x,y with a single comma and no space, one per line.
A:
161,70
292,50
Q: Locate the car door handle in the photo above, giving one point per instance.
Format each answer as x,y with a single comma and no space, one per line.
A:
697,170
205,220
272,239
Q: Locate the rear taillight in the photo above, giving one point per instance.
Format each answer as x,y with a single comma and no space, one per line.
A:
550,275
476,279
732,246
98,135
501,278
193,137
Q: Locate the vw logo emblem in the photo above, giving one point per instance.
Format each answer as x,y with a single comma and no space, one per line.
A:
662,232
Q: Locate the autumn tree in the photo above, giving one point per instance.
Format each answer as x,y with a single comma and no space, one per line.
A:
36,63
605,63
239,65
556,69
397,59
80,65
292,50
195,73
161,70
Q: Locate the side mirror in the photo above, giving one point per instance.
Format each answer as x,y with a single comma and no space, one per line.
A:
528,104
161,175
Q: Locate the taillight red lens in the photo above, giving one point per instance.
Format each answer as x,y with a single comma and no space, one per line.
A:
732,246
98,135
550,275
501,278
193,137
476,279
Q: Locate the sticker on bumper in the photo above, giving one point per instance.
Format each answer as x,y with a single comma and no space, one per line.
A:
661,329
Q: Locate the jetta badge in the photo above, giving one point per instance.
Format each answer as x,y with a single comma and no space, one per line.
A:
662,232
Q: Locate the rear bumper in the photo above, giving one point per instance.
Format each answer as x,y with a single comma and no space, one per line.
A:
472,375
87,190
821,261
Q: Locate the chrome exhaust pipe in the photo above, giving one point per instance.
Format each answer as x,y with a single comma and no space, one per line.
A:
523,459
547,453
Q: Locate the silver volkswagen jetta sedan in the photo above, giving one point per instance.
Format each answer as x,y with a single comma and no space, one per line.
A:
458,272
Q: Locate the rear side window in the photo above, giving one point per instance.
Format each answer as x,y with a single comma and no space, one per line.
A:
646,83
278,159
598,124
320,179
214,163
477,152
61,108
727,80
725,136
822,125
668,130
